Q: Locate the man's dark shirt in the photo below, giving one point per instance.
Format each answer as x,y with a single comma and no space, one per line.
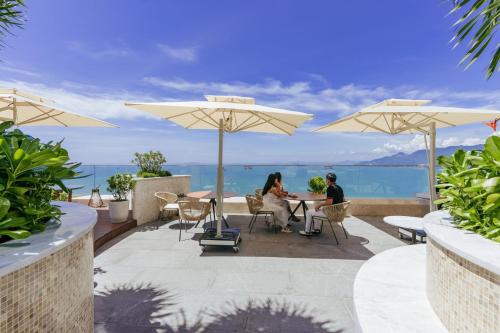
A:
336,193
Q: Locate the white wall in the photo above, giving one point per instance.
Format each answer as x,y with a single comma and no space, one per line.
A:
144,204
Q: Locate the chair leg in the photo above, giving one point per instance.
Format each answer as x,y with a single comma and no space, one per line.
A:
333,231
274,224
345,232
252,222
180,229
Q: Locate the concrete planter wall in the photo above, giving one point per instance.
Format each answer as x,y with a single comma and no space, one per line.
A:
144,204
46,280
463,278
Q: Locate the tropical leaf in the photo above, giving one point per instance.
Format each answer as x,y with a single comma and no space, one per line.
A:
478,24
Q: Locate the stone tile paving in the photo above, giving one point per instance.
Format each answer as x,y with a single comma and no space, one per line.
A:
148,281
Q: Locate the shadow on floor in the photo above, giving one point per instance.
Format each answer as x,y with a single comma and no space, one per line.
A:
264,242
145,308
378,222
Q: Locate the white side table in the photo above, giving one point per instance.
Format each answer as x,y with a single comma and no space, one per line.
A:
409,223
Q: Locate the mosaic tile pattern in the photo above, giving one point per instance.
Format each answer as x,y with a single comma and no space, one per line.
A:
54,294
465,296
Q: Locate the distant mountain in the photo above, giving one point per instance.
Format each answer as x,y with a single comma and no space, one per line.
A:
417,157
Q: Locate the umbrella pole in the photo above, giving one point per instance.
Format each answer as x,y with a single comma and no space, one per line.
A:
220,181
432,166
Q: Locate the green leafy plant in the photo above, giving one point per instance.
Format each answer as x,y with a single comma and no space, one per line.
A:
317,185
60,195
479,20
29,170
120,185
11,16
150,164
470,188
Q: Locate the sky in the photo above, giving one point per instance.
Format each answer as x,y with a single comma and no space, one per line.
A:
328,58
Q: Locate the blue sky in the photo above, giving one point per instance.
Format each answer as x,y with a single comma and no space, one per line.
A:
329,58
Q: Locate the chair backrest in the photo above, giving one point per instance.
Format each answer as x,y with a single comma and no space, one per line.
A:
254,204
337,212
258,194
165,198
190,210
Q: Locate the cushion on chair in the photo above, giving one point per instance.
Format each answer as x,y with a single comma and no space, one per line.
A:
171,206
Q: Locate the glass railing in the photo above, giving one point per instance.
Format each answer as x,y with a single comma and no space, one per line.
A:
356,180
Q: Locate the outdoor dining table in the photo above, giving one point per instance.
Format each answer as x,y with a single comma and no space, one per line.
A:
212,196
302,197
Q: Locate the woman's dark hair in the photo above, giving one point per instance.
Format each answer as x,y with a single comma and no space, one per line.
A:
278,176
269,183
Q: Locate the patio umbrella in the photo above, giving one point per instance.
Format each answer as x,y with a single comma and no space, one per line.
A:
25,109
402,116
227,114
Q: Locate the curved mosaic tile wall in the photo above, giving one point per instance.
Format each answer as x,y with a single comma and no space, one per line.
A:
465,296
53,294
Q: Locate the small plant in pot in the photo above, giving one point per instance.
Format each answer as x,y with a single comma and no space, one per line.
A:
119,186
317,185
150,164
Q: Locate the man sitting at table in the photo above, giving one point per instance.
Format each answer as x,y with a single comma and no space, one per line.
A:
334,195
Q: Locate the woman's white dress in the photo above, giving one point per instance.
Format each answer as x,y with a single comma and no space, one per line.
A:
278,206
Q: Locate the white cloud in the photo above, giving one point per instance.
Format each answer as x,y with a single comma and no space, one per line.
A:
187,54
94,53
418,143
10,68
86,100
302,96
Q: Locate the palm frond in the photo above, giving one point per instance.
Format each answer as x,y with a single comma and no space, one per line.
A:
478,23
11,16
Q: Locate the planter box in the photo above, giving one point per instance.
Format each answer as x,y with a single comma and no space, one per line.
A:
463,277
145,205
46,280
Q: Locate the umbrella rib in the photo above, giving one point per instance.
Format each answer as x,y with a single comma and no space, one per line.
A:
270,123
209,116
256,122
47,115
198,118
386,121
180,115
432,117
240,126
374,120
371,126
44,116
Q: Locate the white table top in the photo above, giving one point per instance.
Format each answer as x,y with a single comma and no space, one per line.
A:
77,221
406,222
390,293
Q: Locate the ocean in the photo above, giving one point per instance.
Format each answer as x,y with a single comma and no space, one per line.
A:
357,181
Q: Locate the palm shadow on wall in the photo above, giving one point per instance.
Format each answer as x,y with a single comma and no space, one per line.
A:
145,308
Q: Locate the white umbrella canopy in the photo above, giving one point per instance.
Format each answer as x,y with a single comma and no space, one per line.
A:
239,114
25,109
227,114
403,116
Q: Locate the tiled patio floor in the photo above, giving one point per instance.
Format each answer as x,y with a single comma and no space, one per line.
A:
148,281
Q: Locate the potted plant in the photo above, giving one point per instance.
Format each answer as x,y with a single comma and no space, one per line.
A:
150,164
119,186
29,171
470,188
317,185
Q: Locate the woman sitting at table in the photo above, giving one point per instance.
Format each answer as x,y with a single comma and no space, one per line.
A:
273,200
284,193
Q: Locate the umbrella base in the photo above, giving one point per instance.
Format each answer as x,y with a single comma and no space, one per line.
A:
230,237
